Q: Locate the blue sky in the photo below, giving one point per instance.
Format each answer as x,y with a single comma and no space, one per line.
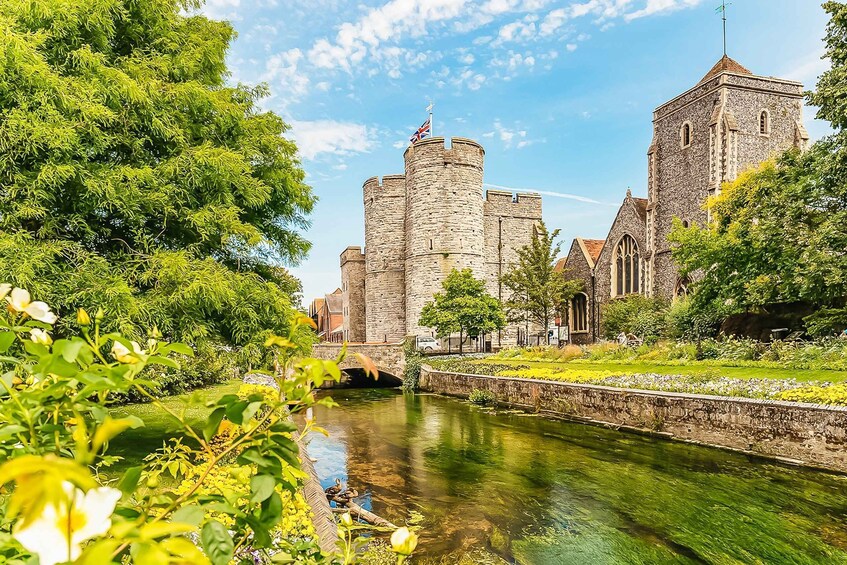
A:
560,93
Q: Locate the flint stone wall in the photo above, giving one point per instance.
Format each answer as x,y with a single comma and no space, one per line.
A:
793,432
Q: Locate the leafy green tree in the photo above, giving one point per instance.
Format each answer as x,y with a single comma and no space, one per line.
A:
779,232
536,292
134,178
463,306
636,314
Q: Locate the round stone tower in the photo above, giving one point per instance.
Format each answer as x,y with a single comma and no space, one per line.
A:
444,218
385,208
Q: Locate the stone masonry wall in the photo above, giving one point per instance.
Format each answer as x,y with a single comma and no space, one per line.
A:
577,268
353,293
808,434
627,222
724,117
385,285
444,219
509,224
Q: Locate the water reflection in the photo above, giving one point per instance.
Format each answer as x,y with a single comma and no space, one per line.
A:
536,491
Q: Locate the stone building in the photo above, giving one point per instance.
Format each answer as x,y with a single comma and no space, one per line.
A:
729,121
421,225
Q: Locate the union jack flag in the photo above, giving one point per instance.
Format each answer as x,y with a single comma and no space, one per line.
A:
424,131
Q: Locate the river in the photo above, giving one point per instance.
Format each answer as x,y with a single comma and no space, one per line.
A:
498,486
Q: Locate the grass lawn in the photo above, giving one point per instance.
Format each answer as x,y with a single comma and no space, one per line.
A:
135,445
689,368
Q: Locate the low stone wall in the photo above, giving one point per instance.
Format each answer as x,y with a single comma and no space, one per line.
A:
797,433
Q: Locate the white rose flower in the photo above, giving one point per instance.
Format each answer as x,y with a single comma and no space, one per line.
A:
20,301
40,336
124,355
58,534
403,542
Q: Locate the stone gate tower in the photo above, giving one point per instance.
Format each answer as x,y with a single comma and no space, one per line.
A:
444,228
419,227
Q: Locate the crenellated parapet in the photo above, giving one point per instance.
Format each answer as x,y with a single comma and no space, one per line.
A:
389,186
516,205
432,151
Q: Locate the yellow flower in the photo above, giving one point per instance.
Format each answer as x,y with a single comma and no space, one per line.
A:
82,317
124,355
58,534
20,301
403,542
40,336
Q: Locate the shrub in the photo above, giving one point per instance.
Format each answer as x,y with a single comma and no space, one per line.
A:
412,371
688,321
482,397
833,394
636,314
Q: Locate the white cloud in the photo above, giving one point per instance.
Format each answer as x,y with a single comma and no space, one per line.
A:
807,69
509,136
467,59
394,19
553,21
283,68
567,195
658,6
221,9
331,137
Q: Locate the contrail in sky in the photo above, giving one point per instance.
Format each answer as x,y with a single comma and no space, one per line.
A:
576,197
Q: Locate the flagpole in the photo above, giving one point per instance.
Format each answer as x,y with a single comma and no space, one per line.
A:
431,128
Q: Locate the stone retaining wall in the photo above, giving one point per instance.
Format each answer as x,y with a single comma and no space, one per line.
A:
797,433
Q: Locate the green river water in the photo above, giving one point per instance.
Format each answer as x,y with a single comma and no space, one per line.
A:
505,486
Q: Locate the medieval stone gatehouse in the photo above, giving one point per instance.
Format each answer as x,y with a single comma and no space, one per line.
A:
421,225
730,121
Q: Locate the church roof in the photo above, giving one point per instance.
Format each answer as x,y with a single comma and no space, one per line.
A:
641,207
594,247
726,65
560,265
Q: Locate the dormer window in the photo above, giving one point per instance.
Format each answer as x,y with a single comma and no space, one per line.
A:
764,122
685,135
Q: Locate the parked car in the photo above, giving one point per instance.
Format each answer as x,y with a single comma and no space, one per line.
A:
428,344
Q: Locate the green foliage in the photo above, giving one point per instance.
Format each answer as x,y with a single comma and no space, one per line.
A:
234,486
536,291
463,306
686,321
412,371
136,180
636,314
779,232
482,397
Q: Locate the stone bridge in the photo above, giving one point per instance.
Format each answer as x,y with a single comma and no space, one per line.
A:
388,358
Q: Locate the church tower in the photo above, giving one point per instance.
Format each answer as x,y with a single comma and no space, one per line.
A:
730,121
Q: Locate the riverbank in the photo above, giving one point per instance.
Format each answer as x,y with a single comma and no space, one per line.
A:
803,434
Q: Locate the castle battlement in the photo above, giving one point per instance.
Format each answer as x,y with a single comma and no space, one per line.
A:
352,254
512,204
387,186
433,151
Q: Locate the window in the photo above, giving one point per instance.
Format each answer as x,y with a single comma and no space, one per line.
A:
686,223
685,135
579,313
764,122
430,245
680,290
626,267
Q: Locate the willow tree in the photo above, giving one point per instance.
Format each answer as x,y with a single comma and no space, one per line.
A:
133,177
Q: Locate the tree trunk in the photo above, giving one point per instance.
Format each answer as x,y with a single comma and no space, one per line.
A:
461,339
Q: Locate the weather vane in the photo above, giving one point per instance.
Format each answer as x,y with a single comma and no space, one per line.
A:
722,11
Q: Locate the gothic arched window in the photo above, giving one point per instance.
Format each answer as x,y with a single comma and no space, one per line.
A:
579,313
764,122
685,135
626,265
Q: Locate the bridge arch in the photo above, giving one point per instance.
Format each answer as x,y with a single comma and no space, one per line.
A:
389,358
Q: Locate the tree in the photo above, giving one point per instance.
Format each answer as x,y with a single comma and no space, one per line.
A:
779,232
463,306
133,177
537,292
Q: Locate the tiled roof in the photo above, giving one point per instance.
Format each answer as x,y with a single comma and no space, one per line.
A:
594,247
560,265
641,206
334,302
726,65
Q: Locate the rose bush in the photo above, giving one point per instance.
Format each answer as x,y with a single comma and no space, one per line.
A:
232,495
